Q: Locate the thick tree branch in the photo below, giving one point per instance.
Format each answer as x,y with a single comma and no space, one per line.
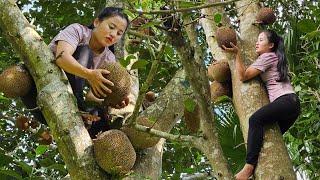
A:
196,75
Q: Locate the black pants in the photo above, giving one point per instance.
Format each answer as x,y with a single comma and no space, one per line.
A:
284,110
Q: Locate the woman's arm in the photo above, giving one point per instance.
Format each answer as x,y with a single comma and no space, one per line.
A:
243,72
66,61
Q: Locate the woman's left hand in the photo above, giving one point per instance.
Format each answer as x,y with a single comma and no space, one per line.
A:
234,49
123,103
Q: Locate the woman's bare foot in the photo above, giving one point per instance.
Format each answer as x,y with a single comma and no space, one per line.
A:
245,173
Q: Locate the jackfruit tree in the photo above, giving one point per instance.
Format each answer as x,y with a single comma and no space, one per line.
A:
191,125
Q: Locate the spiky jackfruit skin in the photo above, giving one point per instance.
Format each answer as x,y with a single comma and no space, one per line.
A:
219,71
150,96
113,152
218,89
225,35
15,81
192,119
141,140
266,16
22,123
121,80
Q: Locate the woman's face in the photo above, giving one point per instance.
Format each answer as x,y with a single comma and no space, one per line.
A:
263,45
109,31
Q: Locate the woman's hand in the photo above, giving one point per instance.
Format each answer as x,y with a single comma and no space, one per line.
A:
98,82
66,61
234,48
123,103
92,98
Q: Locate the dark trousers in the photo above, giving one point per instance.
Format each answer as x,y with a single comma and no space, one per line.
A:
284,110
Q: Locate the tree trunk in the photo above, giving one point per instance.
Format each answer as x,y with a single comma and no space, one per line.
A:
55,95
149,163
196,76
274,161
167,109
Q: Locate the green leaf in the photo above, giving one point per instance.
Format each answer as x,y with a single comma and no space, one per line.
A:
152,119
186,4
126,61
151,50
190,104
313,34
9,173
307,25
46,162
25,167
41,149
129,13
59,167
223,99
217,18
297,88
5,159
150,24
139,64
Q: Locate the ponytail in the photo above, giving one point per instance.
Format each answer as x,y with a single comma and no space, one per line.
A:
282,61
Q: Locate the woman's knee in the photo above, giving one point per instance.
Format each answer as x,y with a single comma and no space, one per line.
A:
255,121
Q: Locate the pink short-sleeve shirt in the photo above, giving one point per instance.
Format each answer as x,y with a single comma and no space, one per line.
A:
267,63
77,34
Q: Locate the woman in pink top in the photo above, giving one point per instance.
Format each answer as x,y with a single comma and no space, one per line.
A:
105,31
284,106
79,50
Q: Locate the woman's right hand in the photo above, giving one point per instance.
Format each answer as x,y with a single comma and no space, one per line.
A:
234,49
98,83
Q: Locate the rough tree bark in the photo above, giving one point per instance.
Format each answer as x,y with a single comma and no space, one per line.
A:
167,109
196,75
274,161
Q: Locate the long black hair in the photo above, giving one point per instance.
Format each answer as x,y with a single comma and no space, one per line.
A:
279,49
111,12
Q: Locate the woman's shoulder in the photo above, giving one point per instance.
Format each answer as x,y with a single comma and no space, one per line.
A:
79,27
268,55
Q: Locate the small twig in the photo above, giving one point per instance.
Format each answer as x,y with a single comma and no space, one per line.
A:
251,2
237,146
168,136
146,85
195,20
135,33
33,109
